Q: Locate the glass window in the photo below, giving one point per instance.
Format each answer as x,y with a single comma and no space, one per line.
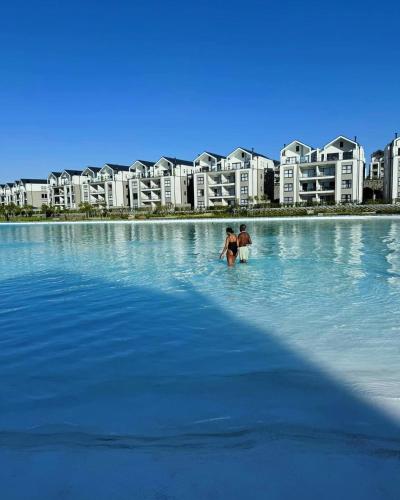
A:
200,204
346,184
287,199
288,187
167,183
347,169
200,180
244,190
200,192
244,202
244,177
288,173
168,194
346,197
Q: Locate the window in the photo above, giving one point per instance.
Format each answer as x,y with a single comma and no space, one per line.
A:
398,151
184,183
200,204
346,184
200,192
200,179
244,190
134,184
244,202
340,144
288,173
288,187
44,195
346,198
347,169
167,183
168,194
244,177
297,149
287,199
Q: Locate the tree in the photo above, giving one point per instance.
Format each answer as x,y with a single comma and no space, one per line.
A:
86,208
48,210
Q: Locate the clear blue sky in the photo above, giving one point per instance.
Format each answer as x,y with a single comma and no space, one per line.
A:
88,82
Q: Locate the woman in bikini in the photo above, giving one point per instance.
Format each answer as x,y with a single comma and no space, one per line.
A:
230,247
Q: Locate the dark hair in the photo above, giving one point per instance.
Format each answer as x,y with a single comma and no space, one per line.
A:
229,230
243,227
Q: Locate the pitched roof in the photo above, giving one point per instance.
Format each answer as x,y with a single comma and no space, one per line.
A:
215,155
177,161
146,163
117,168
56,174
254,153
73,172
33,181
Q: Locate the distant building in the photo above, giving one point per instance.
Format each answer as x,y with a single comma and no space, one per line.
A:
238,179
391,180
377,165
167,182
64,189
333,174
106,187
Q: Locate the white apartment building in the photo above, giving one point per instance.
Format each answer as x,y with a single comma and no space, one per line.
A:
107,187
31,192
64,189
391,180
238,179
333,174
24,192
166,182
377,165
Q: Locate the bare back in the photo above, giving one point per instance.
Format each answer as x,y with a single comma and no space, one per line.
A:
243,239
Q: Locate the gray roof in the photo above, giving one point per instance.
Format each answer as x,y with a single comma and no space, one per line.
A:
217,156
34,181
73,172
254,153
177,161
147,163
116,167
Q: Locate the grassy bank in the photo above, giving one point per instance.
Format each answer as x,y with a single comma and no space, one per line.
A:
210,214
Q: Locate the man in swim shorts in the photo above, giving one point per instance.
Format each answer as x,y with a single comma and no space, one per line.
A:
243,241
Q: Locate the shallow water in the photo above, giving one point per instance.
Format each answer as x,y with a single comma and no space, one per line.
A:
132,344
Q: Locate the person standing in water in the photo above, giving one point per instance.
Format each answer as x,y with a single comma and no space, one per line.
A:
230,247
243,241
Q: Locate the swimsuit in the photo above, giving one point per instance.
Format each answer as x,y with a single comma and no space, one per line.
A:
232,246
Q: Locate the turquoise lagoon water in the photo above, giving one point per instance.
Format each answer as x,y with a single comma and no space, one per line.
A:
135,364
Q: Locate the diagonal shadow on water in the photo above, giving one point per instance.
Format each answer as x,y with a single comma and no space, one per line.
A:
116,366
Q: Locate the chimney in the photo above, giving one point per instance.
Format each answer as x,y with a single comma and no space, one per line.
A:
395,135
355,138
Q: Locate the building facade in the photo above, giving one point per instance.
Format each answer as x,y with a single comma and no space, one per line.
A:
64,189
167,182
391,180
30,192
333,174
106,187
237,179
377,165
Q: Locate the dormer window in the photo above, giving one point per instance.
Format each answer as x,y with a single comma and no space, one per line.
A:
242,154
297,149
340,144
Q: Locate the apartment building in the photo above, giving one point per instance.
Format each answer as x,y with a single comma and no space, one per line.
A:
167,182
377,165
107,187
237,179
391,180
333,174
64,191
31,192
